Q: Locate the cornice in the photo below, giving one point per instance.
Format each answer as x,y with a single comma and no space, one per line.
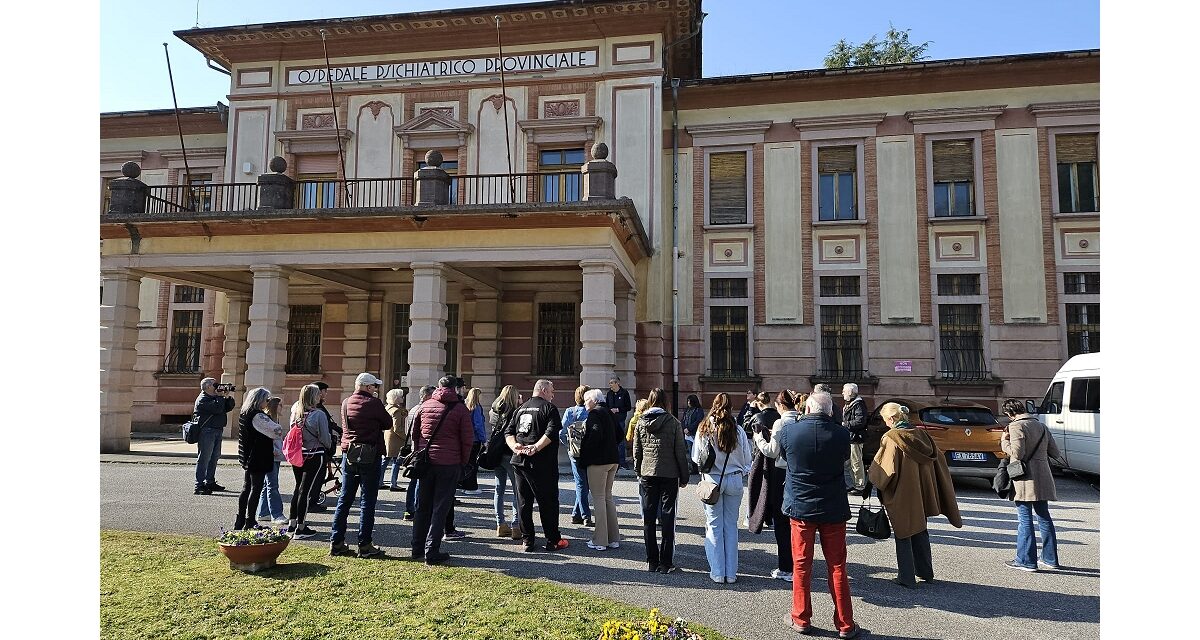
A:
955,114
582,127
839,122
312,140
757,127
199,152
1079,108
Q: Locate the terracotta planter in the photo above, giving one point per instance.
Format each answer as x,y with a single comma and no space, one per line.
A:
253,557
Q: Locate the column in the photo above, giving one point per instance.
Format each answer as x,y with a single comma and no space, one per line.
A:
266,352
598,334
626,365
485,350
427,335
354,346
233,362
118,353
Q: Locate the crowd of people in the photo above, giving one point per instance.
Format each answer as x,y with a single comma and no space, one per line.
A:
799,454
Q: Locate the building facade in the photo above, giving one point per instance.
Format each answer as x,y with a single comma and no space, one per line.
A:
923,230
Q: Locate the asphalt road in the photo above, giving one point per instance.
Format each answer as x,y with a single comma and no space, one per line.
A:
974,595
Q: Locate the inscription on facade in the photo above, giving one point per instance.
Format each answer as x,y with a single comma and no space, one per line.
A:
444,68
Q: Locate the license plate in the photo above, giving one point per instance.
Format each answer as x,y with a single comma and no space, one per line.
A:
968,456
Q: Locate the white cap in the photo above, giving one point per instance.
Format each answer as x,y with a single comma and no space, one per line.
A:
366,378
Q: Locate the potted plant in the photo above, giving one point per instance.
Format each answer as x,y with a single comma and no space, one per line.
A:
654,628
253,549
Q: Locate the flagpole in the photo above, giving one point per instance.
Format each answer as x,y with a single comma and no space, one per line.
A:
512,186
337,128
187,172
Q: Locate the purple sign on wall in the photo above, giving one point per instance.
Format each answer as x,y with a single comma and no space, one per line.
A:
903,366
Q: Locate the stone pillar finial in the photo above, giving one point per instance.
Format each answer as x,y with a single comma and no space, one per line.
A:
432,181
276,190
127,194
599,175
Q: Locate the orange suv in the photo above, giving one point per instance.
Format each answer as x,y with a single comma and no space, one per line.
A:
968,434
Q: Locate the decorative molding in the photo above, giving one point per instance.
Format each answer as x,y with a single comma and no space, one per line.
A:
242,73
728,252
312,140
577,129
198,152
1080,242
560,108
953,246
376,107
1062,114
497,101
446,111
619,47
316,121
729,132
840,249
121,157
955,114
861,125
433,128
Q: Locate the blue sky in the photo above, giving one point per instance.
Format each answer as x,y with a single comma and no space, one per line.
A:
740,36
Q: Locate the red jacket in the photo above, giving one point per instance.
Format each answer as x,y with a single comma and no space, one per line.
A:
364,419
452,445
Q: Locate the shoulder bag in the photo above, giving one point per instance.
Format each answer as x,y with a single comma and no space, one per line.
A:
192,428
417,464
873,524
709,491
1013,470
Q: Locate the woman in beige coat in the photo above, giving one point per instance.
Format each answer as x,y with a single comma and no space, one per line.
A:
397,438
914,485
1028,440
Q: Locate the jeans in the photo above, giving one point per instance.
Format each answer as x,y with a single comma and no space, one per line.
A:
354,475
504,476
660,496
395,463
779,520
833,546
540,485
721,527
270,506
1027,543
581,508
600,479
306,478
411,498
914,558
435,505
252,485
622,461
209,452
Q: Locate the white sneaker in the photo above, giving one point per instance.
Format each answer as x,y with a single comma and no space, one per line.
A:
597,547
473,492
281,522
614,545
730,579
776,574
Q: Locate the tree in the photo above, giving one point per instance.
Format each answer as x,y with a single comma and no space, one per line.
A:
895,48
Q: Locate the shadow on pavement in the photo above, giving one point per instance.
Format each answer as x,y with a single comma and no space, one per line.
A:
984,601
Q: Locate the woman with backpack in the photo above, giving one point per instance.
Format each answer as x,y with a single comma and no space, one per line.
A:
314,430
730,464
581,512
501,412
256,453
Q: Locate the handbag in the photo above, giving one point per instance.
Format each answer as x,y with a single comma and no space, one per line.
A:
417,465
361,453
1007,471
575,432
192,429
873,524
708,491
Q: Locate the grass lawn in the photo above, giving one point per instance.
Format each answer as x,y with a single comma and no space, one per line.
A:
169,586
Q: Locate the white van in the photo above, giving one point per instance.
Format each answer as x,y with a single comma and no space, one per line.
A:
1075,422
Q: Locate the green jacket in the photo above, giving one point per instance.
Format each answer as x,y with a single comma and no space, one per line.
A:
659,449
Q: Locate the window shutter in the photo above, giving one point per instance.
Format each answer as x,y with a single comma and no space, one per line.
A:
953,160
316,164
727,188
836,159
1076,148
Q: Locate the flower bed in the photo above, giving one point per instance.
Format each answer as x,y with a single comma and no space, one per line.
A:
654,628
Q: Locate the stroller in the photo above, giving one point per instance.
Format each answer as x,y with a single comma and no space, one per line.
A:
329,489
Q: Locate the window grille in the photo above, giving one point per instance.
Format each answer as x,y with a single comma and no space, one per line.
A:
961,338
451,365
556,339
839,286
841,341
958,284
727,288
729,344
187,295
184,356
1083,329
304,339
401,323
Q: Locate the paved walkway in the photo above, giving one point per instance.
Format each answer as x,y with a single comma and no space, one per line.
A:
975,595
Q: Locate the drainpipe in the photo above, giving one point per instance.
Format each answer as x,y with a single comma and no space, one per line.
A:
675,245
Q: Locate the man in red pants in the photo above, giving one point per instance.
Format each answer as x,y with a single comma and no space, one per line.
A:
814,498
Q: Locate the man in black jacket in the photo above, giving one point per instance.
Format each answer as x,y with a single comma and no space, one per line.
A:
336,432
532,434
618,404
854,419
210,410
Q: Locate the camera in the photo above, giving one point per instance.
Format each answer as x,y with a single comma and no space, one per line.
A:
228,388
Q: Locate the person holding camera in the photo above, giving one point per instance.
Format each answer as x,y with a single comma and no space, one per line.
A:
364,419
211,410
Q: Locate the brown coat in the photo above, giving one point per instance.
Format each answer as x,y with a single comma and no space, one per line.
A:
1023,433
914,481
396,436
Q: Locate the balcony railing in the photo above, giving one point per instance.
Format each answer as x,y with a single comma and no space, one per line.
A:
183,358
241,196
